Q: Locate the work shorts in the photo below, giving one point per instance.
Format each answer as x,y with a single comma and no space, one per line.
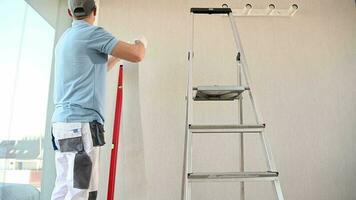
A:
76,148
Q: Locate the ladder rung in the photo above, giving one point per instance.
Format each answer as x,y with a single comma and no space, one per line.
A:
245,128
232,176
218,93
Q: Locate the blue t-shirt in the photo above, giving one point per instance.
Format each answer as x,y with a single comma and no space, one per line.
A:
80,70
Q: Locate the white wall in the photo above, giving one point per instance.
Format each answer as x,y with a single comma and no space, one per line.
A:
303,69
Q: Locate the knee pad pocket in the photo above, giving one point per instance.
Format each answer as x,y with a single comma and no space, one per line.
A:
82,170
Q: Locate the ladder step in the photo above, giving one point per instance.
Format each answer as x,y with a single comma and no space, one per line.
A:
245,128
218,93
232,176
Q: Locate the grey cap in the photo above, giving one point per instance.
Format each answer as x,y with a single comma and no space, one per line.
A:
81,8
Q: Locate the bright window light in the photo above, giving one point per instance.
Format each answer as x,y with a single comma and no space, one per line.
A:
26,55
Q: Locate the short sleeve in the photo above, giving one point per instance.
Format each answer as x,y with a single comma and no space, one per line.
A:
102,41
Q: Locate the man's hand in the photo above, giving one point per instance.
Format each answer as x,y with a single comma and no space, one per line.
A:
112,61
143,40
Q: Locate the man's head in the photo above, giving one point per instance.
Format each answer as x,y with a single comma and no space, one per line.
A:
82,9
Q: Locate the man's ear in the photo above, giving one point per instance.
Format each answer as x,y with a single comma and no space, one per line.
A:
69,12
94,11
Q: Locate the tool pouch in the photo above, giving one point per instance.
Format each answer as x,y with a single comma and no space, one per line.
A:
97,133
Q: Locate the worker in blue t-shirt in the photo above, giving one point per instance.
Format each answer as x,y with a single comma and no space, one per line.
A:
81,62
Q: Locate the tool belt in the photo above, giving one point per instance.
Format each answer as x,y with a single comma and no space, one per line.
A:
72,140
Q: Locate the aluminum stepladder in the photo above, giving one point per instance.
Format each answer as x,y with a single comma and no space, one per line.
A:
225,93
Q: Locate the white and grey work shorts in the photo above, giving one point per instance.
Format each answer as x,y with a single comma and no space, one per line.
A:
79,140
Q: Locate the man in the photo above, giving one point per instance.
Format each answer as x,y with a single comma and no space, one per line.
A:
81,62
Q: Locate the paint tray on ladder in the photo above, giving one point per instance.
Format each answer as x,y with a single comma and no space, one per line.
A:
218,93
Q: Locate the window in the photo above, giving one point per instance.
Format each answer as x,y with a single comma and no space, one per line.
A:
26,55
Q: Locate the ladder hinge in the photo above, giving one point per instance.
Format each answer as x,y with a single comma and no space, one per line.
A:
238,56
190,55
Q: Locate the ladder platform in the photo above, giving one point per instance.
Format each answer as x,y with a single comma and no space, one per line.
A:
244,128
232,176
218,93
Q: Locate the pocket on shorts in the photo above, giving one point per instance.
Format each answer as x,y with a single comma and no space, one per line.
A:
82,170
68,137
74,144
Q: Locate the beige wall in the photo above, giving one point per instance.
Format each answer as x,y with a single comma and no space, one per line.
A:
303,70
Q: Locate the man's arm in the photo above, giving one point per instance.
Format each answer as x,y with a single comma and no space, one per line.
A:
130,52
105,42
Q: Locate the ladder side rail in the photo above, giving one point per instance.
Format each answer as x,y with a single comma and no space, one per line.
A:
241,121
244,66
184,191
271,164
190,96
269,156
190,75
190,112
187,167
190,165
278,189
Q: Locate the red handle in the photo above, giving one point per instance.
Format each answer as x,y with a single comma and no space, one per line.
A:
115,137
